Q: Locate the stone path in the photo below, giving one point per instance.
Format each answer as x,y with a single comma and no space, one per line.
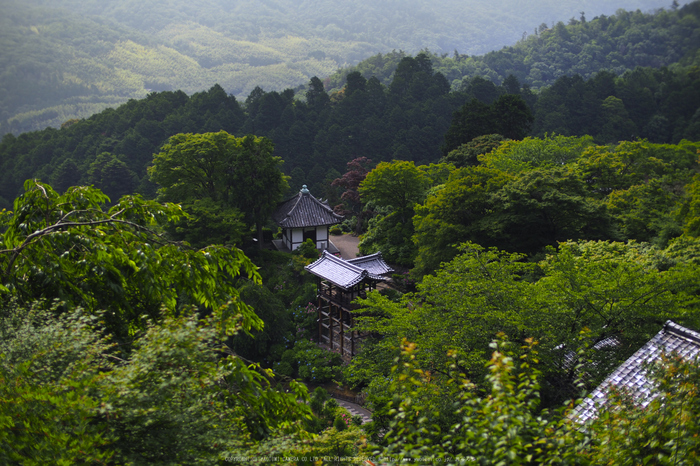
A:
355,410
347,244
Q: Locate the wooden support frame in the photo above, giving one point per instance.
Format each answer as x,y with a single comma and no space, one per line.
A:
335,318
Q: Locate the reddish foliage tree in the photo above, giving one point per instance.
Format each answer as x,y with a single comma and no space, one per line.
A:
355,174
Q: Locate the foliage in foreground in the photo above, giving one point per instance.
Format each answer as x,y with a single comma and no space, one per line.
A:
71,248
177,399
129,362
504,425
621,290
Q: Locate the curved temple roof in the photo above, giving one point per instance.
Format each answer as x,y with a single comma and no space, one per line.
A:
304,210
631,374
347,274
373,263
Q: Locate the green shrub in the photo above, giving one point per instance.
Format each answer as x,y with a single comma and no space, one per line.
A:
339,423
308,249
312,364
348,225
336,230
283,368
318,399
305,322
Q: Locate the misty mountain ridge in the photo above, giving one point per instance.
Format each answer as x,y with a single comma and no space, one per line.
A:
71,58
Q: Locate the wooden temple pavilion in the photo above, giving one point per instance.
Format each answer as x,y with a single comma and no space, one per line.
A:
304,217
339,282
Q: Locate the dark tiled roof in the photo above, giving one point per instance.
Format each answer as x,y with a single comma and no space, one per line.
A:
373,263
346,274
631,374
569,358
304,210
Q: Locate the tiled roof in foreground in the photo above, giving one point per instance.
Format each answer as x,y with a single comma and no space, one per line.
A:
347,274
304,210
631,374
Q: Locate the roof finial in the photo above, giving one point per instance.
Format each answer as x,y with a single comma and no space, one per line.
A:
304,190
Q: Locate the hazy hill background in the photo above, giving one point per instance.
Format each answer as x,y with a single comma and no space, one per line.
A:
63,59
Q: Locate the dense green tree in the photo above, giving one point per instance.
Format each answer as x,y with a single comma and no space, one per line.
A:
481,89
71,398
50,367
475,287
258,181
648,212
509,116
297,179
399,185
393,190
691,209
542,208
316,96
355,82
140,374
550,151
388,235
196,166
505,423
208,222
511,85
500,424
111,176
618,167
660,103
414,78
66,175
467,154
513,117
68,247
472,120
267,344
553,188
607,289
616,124
233,172
454,214
625,290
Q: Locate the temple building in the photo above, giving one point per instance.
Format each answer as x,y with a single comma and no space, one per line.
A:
339,282
631,376
302,217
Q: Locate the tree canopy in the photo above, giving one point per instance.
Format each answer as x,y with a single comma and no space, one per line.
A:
67,247
112,340
232,173
603,289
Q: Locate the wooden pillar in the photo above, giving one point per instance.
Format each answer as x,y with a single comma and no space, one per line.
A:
341,334
319,314
330,325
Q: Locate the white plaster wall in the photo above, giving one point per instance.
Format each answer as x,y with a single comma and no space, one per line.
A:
297,237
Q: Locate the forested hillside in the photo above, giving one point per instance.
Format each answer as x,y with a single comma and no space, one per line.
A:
412,119
71,58
617,43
